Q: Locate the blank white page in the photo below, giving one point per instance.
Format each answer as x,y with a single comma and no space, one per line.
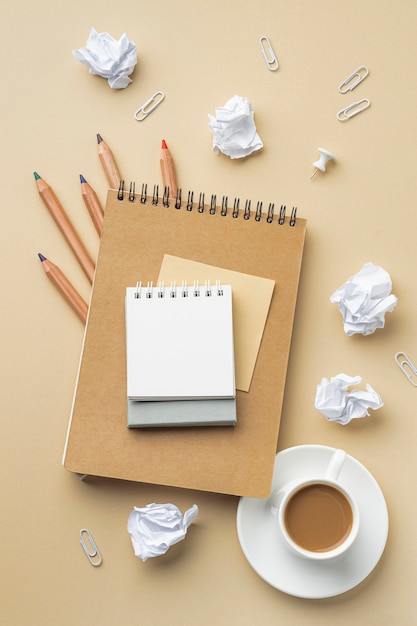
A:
179,342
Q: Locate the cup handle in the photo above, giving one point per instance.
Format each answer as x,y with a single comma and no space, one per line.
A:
335,465
274,501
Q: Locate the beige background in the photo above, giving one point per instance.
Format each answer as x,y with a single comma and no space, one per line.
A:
363,209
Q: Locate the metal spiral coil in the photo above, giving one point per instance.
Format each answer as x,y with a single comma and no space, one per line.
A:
201,206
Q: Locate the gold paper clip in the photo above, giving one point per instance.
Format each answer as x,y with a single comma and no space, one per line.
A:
90,548
405,365
353,109
268,53
151,104
350,83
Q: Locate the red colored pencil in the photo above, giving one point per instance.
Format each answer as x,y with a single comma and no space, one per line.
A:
168,170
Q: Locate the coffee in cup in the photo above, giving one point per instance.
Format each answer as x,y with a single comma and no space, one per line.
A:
317,516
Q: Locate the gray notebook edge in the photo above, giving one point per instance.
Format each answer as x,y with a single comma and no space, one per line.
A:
177,413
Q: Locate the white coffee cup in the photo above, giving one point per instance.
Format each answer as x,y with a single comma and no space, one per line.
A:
317,516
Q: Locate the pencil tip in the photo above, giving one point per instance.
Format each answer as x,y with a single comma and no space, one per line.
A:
82,179
164,145
99,138
42,258
36,175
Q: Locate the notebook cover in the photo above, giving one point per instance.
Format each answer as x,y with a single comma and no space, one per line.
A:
181,413
238,460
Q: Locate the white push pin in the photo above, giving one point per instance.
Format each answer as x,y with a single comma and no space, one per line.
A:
320,164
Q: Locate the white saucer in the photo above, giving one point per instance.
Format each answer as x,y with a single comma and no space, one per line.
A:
270,557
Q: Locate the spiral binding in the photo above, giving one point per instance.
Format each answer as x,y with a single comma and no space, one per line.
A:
201,205
174,291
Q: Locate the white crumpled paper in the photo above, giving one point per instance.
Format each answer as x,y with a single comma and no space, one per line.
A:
154,528
233,128
364,299
337,404
109,58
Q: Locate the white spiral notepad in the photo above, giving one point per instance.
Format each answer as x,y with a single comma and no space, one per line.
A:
179,342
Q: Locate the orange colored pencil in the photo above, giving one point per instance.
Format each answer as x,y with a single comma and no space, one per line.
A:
64,286
108,162
168,170
93,204
64,224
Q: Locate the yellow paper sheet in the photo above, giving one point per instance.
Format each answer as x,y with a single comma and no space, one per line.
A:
251,300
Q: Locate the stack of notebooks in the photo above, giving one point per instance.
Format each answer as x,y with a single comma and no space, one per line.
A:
180,355
259,255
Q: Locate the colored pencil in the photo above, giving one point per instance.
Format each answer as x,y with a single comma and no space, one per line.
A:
64,286
64,224
93,204
108,162
168,170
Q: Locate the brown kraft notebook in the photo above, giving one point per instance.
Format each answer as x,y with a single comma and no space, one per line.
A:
138,231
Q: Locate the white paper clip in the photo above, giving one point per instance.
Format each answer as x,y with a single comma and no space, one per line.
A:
90,548
268,53
353,109
354,79
405,365
149,106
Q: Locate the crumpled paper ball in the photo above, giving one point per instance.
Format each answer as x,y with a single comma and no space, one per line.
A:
337,404
364,299
233,128
154,528
109,58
